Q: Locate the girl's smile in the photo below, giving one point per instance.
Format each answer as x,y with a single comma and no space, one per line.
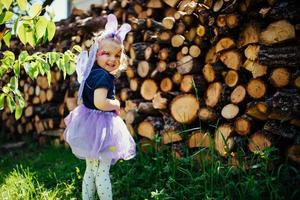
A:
109,55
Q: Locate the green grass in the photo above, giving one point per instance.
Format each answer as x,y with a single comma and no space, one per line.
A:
54,173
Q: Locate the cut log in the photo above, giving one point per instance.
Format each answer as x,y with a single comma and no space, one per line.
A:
149,127
209,73
134,84
168,22
184,108
154,4
238,94
186,84
164,54
231,78
251,52
218,5
207,114
224,43
258,142
148,89
166,84
213,94
242,125
224,141
176,78
200,30
256,88
277,32
170,136
177,40
249,35
230,111
42,81
211,56
187,65
232,20
280,77
255,68
171,3
256,111
221,21
194,51
232,59
199,139
159,102
161,66
143,68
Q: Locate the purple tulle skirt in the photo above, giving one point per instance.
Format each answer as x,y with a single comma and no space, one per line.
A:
94,134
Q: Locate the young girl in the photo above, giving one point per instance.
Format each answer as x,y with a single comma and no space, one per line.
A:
94,130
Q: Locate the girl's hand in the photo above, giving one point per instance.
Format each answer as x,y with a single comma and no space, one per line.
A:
117,104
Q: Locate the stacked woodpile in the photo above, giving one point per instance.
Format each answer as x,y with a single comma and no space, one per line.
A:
221,73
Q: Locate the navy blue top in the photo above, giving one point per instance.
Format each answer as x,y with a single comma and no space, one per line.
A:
98,78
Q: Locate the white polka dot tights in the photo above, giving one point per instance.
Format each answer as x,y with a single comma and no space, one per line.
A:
96,177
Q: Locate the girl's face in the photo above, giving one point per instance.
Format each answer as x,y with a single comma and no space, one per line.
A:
109,55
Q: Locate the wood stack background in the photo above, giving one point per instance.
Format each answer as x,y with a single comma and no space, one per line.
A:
223,73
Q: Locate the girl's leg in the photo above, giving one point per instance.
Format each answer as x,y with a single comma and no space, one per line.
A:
88,182
103,181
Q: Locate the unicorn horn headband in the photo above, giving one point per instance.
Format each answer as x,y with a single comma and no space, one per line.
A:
85,60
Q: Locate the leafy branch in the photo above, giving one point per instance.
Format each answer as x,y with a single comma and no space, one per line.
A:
31,29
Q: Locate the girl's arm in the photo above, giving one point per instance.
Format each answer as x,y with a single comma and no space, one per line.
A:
103,103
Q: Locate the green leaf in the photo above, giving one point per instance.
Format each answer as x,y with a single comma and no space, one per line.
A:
3,69
40,68
41,26
9,55
45,37
51,30
8,59
22,34
10,103
5,16
16,24
2,96
14,83
6,89
49,77
6,38
52,57
77,48
23,55
17,68
35,10
6,3
18,112
31,38
29,70
21,101
72,68
22,4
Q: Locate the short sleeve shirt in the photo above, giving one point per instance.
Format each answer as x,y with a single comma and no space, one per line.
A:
98,78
